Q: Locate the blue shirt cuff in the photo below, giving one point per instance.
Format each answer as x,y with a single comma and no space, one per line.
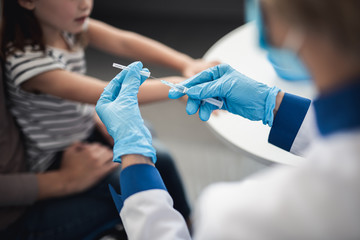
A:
288,120
138,178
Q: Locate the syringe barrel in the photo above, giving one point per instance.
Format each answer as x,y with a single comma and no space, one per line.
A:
214,101
143,73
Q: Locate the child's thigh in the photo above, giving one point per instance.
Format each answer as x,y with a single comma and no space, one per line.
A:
71,217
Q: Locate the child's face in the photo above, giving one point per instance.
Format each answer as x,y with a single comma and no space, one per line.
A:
63,15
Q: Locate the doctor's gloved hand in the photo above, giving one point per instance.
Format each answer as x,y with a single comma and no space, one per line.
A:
118,109
241,95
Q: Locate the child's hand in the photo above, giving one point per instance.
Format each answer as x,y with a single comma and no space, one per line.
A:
83,165
197,66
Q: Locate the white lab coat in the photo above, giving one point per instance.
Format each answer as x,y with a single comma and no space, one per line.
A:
318,200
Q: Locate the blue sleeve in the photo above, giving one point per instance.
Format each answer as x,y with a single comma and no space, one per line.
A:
288,120
138,178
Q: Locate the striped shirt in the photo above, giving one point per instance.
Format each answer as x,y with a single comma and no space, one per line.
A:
50,124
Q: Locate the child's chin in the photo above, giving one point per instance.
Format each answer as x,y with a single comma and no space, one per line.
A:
76,31
80,26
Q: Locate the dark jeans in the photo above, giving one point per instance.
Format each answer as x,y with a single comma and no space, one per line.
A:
85,215
168,171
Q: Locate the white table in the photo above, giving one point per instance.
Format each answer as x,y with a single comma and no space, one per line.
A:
239,49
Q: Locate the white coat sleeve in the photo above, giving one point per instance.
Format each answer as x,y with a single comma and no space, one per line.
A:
148,211
317,200
293,126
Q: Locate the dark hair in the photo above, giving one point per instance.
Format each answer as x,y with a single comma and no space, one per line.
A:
339,20
20,28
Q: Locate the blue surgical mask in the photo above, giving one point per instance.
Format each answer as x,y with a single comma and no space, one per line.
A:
285,62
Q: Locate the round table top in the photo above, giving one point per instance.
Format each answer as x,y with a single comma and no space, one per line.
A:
239,49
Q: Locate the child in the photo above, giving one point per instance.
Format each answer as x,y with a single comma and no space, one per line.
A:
52,100
43,44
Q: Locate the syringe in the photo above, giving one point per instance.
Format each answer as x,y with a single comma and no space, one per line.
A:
144,73
176,87
183,89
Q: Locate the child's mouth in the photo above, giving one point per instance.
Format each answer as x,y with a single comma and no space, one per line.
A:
80,19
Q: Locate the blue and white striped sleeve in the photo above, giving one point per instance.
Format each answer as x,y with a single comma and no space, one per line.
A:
148,211
288,120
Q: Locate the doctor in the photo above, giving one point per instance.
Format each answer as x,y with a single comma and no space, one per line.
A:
317,200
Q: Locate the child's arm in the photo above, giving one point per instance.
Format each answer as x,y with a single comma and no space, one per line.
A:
66,85
135,46
154,90
85,89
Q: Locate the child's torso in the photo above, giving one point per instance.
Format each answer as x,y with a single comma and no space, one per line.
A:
49,123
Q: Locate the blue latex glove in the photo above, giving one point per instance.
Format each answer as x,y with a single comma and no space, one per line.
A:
118,109
241,94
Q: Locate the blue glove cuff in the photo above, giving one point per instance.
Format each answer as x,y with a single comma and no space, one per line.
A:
270,103
117,198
